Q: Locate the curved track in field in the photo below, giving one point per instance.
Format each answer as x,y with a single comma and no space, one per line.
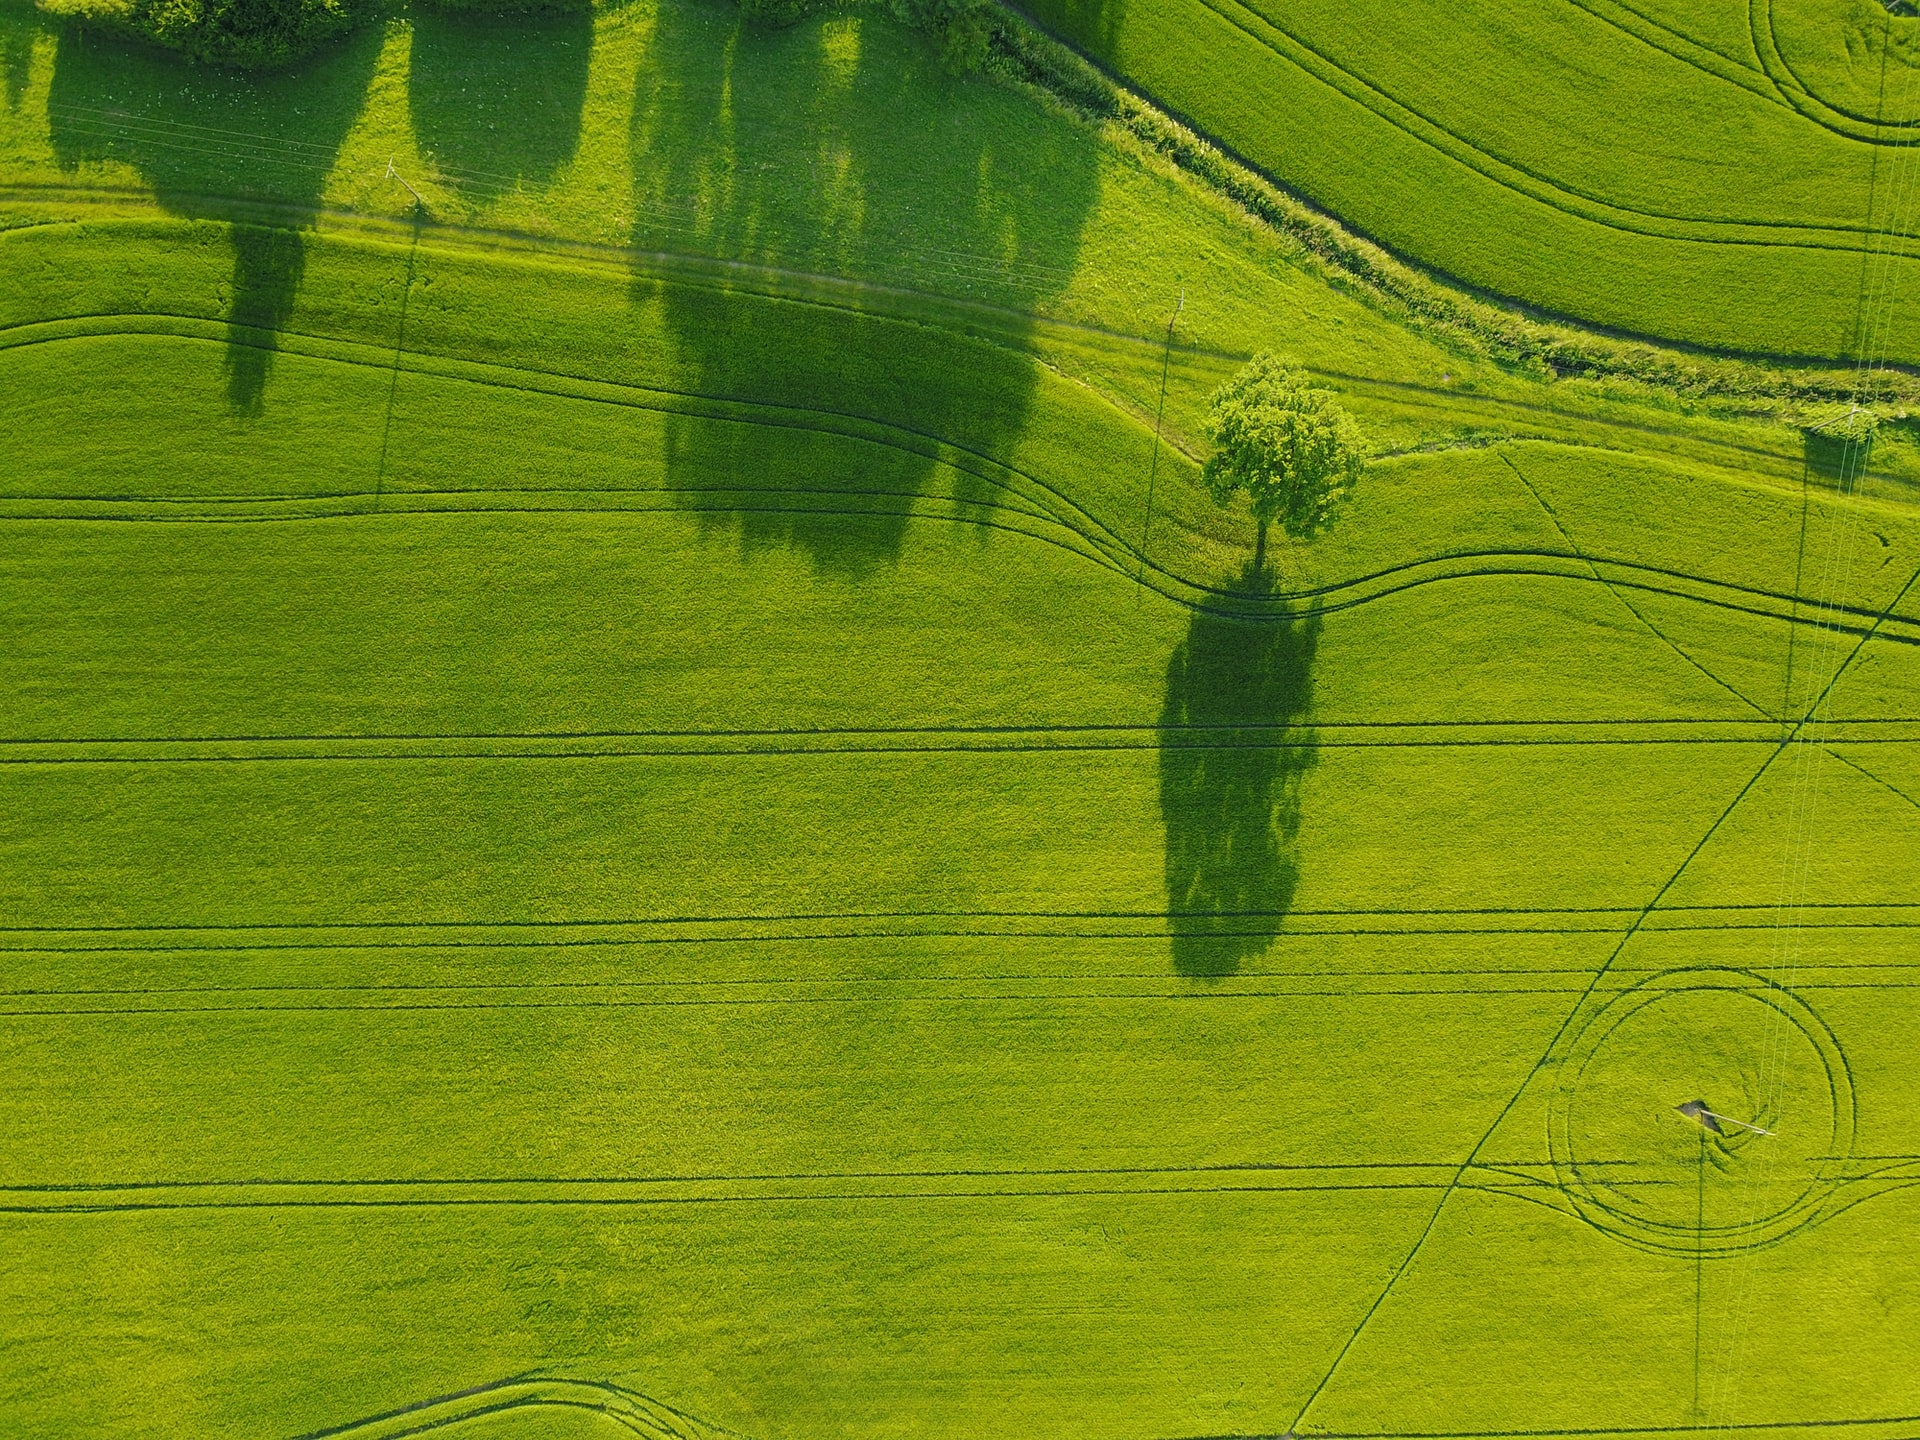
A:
1771,77
655,1420
1675,45
1533,183
1026,503
1007,327
1798,92
599,1402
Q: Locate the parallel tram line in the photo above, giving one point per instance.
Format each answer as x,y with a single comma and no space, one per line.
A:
1527,1181
932,740
1081,534
1525,180
1014,329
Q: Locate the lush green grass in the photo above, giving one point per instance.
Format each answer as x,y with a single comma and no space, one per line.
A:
1602,160
661,815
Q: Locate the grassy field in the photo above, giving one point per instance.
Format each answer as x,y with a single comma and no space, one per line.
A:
618,816
1719,173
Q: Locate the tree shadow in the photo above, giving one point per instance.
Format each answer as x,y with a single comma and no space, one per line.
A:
839,148
497,99
251,150
18,26
1233,757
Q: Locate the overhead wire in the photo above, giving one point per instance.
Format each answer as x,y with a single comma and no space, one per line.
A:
674,219
1876,307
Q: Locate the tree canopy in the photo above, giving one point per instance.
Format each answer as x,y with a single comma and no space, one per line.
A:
1289,446
252,34
240,33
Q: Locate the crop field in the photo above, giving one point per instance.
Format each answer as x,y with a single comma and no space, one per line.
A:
1716,171
651,798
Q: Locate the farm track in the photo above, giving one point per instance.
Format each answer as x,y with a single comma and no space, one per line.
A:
900,297
1016,330
612,933
1533,184
639,1414
518,1392
798,1187
1683,48
1157,989
1024,495
1772,77
1794,89
1531,1181
1007,739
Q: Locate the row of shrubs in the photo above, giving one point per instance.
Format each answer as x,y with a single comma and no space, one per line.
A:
254,34
248,34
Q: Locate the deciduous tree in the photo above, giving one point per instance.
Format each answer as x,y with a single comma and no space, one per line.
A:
1289,445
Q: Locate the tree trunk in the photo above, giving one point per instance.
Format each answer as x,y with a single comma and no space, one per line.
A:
1260,548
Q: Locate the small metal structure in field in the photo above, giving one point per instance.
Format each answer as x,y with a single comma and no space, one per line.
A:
1697,1110
393,173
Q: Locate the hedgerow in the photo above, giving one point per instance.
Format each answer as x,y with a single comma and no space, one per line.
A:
1507,334
253,34
243,33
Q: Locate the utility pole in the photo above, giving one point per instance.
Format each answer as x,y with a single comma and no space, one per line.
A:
1153,469
393,174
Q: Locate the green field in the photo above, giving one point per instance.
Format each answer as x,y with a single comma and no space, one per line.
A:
644,804
1716,172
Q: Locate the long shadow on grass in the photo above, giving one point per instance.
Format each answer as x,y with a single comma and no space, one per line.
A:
251,150
17,29
839,148
1232,759
496,100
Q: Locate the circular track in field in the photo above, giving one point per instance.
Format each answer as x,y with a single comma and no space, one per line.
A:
1851,65
1637,1168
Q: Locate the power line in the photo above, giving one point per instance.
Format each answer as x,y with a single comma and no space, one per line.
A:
1153,469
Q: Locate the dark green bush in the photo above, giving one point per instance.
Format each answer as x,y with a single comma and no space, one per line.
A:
244,33
251,34
962,29
781,12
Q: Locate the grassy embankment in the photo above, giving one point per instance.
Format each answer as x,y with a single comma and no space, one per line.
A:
1657,169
